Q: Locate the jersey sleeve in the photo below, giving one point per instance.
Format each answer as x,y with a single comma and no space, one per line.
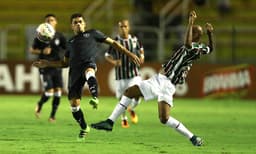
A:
204,49
99,36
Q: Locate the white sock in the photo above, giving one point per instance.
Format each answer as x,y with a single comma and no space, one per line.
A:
134,103
179,127
120,108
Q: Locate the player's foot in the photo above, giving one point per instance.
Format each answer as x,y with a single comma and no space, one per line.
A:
125,123
103,125
52,120
83,133
196,141
134,117
94,102
37,111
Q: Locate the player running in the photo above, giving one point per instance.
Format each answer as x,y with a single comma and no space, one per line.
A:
162,85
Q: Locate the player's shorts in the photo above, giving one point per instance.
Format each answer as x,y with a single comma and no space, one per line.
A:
77,80
122,85
158,86
52,79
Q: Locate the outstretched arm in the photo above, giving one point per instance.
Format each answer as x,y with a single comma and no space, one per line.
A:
188,36
122,49
209,30
45,63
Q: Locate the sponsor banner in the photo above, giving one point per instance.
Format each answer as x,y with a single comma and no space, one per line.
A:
19,77
229,81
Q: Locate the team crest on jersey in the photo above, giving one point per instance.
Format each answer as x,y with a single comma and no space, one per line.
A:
56,42
86,35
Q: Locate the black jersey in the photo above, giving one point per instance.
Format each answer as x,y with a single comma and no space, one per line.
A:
82,49
58,46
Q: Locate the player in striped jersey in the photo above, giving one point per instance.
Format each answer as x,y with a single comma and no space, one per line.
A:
126,72
162,85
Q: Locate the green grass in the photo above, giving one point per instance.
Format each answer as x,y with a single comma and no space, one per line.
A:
227,126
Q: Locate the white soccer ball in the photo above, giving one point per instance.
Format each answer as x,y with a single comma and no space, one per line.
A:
45,32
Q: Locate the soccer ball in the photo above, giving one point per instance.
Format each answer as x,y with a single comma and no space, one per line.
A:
45,32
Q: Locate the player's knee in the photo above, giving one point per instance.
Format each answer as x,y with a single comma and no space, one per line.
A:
163,119
75,102
89,74
133,92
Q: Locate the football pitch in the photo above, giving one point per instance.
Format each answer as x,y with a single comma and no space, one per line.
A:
227,126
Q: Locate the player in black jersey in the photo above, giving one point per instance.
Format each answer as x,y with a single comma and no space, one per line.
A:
162,85
51,77
80,57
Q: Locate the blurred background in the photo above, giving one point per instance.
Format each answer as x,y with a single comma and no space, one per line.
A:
159,24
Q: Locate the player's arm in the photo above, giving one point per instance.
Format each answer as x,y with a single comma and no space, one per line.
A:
209,30
45,51
111,60
188,36
42,63
122,49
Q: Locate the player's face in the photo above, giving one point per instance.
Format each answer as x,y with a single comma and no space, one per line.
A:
124,28
52,21
197,33
78,25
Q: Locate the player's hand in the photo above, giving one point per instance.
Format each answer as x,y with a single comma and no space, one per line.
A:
209,27
192,16
47,51
135,59
118,63
41,63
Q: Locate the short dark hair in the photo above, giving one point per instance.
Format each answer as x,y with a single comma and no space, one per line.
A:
50,15
75,15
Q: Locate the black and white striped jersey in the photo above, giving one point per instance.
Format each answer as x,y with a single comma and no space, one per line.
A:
127,69
179,64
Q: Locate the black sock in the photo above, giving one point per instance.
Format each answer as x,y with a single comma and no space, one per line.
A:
79,117
93,86
43,99
55,105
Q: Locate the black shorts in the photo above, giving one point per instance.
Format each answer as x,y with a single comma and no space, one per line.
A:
52,79
77,80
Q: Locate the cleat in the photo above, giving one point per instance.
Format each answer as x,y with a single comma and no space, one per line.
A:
103,125
37,112
125,123
52,120
134,117
94,102
83,133
196,141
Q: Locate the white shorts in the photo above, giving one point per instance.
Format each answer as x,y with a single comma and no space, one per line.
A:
122,85
158,86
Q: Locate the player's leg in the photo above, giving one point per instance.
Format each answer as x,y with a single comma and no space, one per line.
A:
55,104
165,118
48,92
126,99
74,96
58,84
93,86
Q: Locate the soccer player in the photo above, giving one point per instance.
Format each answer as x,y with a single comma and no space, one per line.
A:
51,77
162,85
80,57
126,72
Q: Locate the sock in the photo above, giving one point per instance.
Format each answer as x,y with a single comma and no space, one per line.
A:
79,117
134,103
55,105
93,86
178,126
44,98
120,108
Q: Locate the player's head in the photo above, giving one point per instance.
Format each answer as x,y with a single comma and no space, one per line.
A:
51,19
78,23
197,32
124,28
